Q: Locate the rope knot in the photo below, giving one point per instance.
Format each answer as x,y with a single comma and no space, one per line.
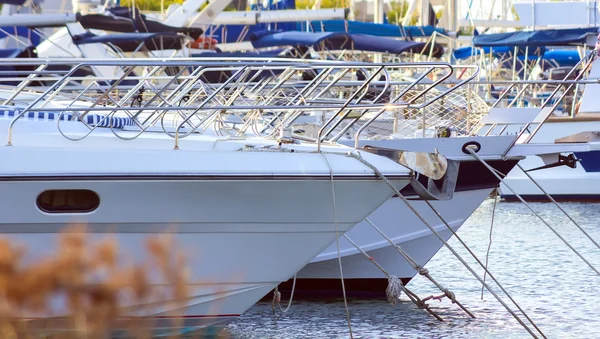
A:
450,295
276,299
422,270
393,290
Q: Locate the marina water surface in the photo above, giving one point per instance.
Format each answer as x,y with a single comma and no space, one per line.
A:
553,286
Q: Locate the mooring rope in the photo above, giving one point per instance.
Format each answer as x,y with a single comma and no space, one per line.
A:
397,192
395,285
422,271
559,207
337,243
487,254
277,298
489,273
278,148
534,212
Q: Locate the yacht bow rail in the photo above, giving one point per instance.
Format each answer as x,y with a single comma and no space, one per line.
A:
577,72
541,100
231,96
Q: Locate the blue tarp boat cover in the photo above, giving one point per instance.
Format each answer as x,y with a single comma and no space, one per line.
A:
232,33
24,32
498,52
10,53
469,51
547,37
359,27
562,57
340,40
248,54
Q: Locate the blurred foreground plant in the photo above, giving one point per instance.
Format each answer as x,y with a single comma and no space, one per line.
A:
84,290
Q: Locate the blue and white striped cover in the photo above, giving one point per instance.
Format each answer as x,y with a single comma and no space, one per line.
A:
91,119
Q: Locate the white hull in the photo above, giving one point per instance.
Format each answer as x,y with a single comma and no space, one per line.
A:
237,255
474,183
562,183
246,220
403,227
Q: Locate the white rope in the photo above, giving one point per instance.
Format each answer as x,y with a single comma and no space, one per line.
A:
394,284
489,273
421,270
486,271
397,192
291,297
559,207
487,254
536,214
277,298
337,243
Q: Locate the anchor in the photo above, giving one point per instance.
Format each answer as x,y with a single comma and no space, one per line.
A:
430,167
569,161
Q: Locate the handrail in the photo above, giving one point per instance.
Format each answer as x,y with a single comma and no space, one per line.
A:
263,91
450,90
540,120
430,68
527,83
591,57
14,120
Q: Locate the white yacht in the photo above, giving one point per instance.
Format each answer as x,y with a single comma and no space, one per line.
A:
249,212
576,177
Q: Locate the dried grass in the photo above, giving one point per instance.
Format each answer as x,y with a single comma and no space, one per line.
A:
96,290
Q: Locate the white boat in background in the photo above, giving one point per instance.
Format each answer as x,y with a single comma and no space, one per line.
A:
578,178
557,50
237,205
577,181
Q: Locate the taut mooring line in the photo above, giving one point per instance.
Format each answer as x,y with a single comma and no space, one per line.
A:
559,207
534,212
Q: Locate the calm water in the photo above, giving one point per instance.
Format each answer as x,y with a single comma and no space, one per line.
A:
556,289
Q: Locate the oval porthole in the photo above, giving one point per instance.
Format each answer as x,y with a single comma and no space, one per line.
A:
68,201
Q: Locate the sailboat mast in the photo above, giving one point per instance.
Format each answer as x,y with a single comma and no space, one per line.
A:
378,14
452,15
378,11
424,13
